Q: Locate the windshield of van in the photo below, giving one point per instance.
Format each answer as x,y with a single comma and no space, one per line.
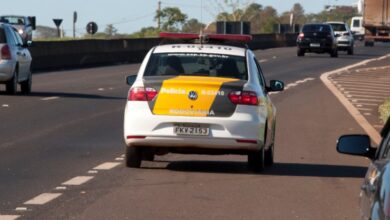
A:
197,64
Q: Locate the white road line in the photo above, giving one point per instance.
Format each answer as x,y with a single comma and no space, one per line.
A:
21,209
100,89
368,100
368,128
9,217
43,199
359,104
380,93
92,171
367,81
5,105
263,61
61,188
78,180
369,96
50,98
368,90
365,109
107,166
386,85
119,158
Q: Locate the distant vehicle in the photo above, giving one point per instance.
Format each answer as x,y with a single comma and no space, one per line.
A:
357,27
376,21
375,190
15,60
24,24
317,38
202,97
344,36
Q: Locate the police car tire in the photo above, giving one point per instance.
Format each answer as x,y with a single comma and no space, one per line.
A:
256,160
133,157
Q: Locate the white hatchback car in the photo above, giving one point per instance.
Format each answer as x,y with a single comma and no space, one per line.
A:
15,61
344,36
204,98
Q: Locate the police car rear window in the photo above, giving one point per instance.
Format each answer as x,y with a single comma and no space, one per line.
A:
197,64
2,36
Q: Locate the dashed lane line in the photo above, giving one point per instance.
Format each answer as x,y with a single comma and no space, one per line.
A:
43,198
78,180
107,166
9,217
50,98
368,128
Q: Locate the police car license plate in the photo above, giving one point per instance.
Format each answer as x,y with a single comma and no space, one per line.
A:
315,45
191,129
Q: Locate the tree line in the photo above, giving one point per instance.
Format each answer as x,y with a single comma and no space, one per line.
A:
263,19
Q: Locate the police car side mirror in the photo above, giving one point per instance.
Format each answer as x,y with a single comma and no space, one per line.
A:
275,86
131,79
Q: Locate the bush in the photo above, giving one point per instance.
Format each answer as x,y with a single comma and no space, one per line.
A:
384,111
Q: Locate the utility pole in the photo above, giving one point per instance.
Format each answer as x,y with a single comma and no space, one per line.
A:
159,15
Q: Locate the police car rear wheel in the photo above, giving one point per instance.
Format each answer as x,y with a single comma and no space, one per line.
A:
133,157
256,160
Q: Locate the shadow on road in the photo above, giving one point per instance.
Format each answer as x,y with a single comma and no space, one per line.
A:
67,95
278,169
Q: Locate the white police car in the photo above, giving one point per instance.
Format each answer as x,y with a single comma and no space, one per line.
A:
203,97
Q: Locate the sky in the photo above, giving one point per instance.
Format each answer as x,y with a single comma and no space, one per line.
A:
129,16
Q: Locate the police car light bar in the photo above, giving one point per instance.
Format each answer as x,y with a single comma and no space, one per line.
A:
222,37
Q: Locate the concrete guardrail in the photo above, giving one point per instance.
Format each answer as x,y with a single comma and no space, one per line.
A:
54,55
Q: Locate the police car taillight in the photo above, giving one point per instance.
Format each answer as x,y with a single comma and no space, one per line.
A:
5,52
141,94
243,98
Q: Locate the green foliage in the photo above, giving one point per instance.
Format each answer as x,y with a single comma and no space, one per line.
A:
192,26
146,32
171,19
384,111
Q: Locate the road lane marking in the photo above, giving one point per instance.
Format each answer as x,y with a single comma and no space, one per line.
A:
78,180
101,89
367,127
263,61
5,105
50,98
9,217
21,209
92,171
107,166
43,198
119,158
60,188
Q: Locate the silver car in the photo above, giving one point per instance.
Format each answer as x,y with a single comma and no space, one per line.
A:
15,61
344,36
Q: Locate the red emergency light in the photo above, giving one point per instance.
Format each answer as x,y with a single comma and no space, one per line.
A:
218,37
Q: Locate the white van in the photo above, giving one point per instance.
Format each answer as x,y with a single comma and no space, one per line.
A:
357,27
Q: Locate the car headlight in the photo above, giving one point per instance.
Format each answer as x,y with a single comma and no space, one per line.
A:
20,31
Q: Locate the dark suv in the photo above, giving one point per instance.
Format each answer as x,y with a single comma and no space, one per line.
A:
317,38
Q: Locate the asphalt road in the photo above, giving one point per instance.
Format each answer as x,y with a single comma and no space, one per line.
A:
72,122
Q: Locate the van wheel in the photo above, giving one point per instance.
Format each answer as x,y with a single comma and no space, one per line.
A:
26,85
133,157
12,85
256,160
